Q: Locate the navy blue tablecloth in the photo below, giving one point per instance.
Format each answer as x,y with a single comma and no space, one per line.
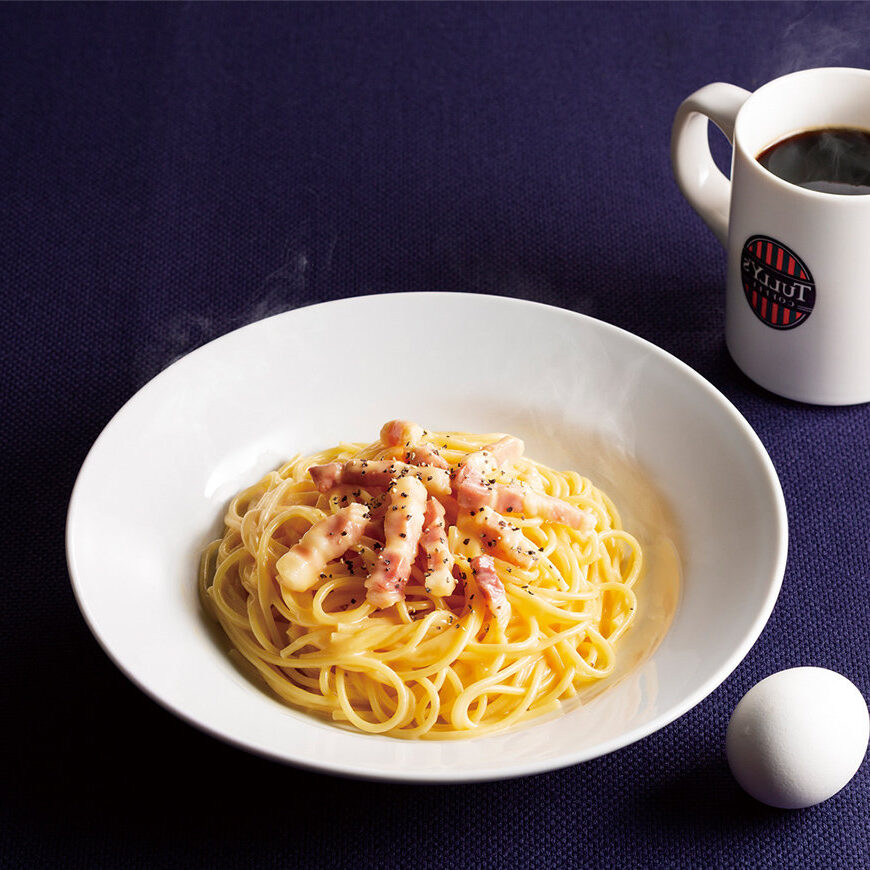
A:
171,172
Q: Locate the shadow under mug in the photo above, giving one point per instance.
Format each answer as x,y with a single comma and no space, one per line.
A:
797,311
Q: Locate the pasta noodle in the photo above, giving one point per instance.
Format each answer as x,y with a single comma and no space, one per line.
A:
518,583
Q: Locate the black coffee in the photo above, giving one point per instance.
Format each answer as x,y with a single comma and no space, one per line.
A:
833,160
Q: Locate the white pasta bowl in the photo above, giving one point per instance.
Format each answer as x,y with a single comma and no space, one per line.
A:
677,458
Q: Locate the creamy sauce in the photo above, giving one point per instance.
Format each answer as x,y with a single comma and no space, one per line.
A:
646,514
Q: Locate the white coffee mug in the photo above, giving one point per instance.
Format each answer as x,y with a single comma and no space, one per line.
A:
797,312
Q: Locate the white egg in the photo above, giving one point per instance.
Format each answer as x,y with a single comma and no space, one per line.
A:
798,737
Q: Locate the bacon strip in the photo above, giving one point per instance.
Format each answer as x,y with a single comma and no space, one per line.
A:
403,525
299,568
325,477
403,433
439,577
474,488
506,449
487,461
451,509
501,537
425,454
381,472
518,499
491,589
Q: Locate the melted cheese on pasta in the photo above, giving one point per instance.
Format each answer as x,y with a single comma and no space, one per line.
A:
429,666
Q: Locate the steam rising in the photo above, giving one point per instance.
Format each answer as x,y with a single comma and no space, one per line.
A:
288,286
810,42
829,161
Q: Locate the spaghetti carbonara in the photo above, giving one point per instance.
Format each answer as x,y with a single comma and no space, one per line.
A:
430,584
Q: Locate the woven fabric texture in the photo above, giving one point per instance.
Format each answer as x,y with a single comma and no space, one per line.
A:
170,172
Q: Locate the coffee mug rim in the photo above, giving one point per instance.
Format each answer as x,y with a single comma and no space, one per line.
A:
857,201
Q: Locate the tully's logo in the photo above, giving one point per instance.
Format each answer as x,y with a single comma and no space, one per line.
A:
777,283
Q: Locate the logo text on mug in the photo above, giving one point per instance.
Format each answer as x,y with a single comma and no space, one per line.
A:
778,286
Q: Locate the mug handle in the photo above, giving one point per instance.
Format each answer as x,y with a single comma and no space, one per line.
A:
699,179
